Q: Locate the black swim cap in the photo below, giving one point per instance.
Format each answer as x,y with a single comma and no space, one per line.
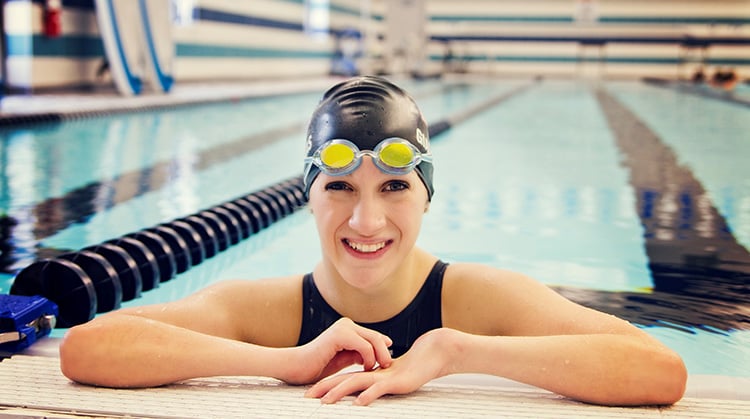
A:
366,110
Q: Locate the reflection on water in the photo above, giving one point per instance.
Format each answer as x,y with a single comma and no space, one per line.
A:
668,309
49,216
701,274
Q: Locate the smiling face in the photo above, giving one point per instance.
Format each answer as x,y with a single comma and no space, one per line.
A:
368,223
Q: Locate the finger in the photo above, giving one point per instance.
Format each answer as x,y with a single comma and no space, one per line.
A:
322,387
383,354
351,384
372,393
379,343
350,341
366,351
370,344
374,336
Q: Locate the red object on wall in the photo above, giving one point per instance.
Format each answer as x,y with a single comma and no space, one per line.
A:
51,24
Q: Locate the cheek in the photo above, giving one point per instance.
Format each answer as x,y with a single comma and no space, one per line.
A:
410,216
327,217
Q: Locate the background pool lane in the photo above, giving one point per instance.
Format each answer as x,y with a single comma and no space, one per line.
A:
534,185
708,136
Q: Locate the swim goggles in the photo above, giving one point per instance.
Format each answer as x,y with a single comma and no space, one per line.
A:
394,156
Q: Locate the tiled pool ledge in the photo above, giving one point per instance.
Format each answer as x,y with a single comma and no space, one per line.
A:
32,385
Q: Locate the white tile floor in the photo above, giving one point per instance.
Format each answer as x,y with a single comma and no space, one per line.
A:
33,386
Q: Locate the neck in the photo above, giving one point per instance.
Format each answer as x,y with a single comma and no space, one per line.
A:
386,298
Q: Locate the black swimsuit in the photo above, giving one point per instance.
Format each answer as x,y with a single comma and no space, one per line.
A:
420,316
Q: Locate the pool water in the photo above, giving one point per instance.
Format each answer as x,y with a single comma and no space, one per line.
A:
540,183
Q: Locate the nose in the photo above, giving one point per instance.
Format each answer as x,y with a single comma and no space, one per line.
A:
368,215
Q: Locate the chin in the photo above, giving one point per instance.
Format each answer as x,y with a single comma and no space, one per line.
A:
363,277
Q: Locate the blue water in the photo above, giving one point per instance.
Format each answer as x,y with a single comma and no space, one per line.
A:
710,137
534,184
539,197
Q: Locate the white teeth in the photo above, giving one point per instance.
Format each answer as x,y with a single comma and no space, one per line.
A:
365,248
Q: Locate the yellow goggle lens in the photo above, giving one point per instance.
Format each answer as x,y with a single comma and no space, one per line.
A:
337,156
397,155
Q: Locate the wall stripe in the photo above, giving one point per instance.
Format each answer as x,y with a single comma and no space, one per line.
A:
212,15
198,50
619,20
590,59
203,13
683,40
74,46
675,20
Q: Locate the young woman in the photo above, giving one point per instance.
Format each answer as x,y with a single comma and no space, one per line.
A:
375,298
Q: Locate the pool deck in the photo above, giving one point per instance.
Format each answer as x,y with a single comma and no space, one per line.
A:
31,384
80,103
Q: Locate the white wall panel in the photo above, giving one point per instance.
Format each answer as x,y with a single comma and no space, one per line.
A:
66,71
22,18
217,68
208,33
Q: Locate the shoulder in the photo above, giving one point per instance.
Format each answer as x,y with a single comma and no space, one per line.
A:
472,280
232,290
485,300
475,276
476,298
263,311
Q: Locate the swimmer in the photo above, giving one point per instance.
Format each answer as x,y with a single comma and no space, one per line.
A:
375,299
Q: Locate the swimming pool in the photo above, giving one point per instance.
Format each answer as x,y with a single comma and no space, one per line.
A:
626,197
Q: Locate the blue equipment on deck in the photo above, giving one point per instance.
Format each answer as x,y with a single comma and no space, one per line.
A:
23,320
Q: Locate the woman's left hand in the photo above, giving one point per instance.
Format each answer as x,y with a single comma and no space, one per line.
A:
427,359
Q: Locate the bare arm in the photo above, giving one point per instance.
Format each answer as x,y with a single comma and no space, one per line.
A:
608,369
125,350
233,328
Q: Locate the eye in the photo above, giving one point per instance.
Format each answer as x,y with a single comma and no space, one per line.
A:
338,186
395,186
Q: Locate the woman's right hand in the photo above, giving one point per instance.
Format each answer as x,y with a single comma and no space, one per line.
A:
343,344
